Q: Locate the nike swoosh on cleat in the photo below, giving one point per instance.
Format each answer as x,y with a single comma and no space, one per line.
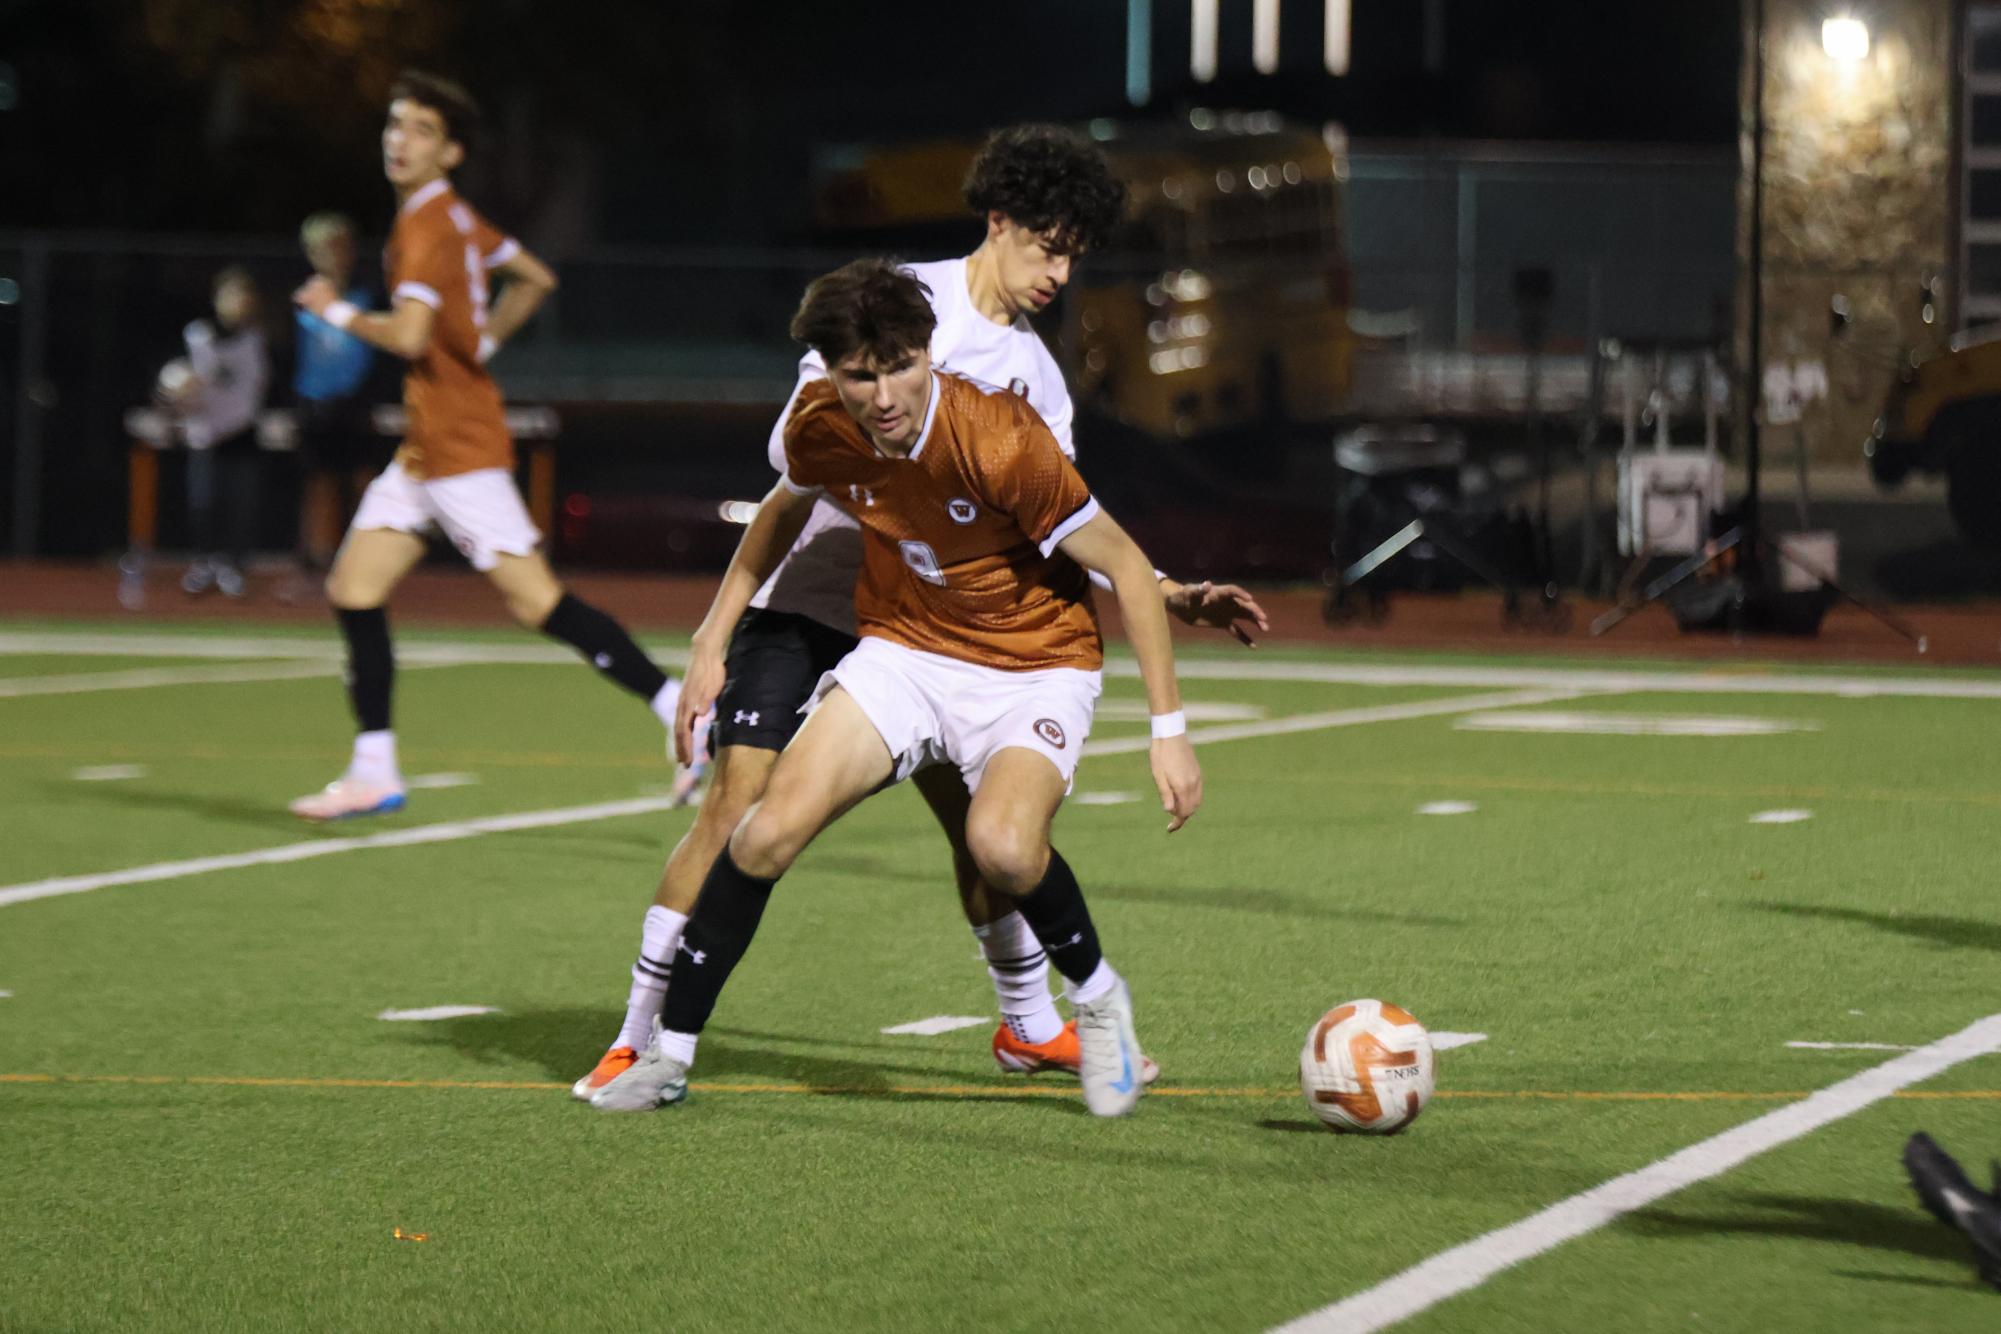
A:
1125,1081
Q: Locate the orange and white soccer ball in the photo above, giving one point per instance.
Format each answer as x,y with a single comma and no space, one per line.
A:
1366,1068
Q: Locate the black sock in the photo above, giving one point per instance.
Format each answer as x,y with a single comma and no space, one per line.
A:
1055,911
717,934
371,667
605,645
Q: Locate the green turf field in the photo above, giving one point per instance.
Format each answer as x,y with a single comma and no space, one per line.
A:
204,1124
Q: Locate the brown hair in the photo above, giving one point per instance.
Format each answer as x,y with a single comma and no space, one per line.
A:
451,101
871,306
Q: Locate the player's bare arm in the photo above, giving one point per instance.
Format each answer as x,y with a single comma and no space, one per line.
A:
1103,546
404,330
528,284
780,517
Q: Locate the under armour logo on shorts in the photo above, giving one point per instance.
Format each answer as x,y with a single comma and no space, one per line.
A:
746,719
1047,729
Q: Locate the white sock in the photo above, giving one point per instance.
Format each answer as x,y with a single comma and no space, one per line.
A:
665,701
678,1046
1020,971
1101,981
375,759
657,939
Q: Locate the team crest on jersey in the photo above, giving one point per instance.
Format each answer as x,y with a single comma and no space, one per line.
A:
1047,729
1018,387
962,510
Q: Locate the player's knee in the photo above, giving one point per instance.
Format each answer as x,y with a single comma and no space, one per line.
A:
1008,856
346,593
530,607
766,842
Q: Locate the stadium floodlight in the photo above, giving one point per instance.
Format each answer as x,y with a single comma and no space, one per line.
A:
1264,36
1203,17
1844,38
1339,14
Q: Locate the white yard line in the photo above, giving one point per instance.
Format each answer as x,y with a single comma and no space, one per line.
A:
448,832
1466,1267
143,678
1245,667
500,824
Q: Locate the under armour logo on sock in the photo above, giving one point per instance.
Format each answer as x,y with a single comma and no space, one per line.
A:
746,719
603,661
697,955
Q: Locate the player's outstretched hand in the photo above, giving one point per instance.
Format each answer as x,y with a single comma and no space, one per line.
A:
1222,606
700,685
1178,777
315,295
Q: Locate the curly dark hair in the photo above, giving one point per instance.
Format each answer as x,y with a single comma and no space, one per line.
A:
1049,180
450,100
871,306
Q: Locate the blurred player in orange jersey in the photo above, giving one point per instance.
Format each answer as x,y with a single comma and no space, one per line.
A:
455,469
979,648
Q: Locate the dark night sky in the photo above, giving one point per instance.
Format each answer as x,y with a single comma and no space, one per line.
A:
697,120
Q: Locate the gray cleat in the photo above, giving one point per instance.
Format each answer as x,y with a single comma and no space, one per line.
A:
1111,1060
654,1080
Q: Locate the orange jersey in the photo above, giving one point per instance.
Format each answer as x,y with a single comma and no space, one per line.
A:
439,254
959,538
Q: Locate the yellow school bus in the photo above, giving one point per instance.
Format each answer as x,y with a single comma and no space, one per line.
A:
1223,302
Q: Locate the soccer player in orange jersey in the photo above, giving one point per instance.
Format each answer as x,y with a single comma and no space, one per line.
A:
979,648
455,469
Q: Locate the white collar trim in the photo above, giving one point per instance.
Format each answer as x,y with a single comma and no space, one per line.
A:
425,195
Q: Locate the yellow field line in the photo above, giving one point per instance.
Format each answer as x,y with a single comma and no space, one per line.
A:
959,1090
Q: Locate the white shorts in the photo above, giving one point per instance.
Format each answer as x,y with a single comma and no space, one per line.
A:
480,511
932,709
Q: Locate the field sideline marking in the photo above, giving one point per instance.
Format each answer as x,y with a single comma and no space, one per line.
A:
1611,681
453,830
1008,1090
1467,1266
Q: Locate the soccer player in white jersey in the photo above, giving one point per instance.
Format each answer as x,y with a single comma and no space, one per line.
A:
1045,197
980,650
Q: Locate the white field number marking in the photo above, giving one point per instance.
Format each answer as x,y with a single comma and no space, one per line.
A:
432,1012
441,780
1849,1046
936,1024
1630,724
1467,1266
108,773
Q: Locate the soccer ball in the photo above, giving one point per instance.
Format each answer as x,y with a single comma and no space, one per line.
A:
1366,1068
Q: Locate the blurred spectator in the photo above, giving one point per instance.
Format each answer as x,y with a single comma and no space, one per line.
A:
338,450
218,393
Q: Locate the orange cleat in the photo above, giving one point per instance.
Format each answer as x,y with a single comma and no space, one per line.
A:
615,1063
1059,1053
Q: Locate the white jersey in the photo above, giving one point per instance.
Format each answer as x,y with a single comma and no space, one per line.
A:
233,374
817,576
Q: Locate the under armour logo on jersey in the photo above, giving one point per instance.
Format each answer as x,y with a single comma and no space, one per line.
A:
861,495
744,719
698,956
962,510
1018,387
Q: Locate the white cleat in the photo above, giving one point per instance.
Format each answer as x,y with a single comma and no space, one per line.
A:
654,1080
1111,1061
345,798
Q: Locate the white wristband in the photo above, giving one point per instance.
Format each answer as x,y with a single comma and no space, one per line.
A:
340,314
487,347
1169,724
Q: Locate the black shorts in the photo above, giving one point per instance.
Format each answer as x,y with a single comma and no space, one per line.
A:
775,660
